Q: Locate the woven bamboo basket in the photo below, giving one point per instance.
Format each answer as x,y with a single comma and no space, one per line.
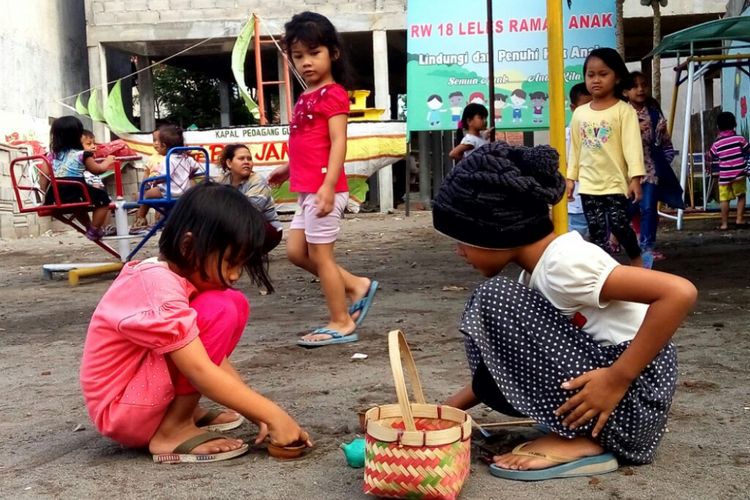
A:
415,450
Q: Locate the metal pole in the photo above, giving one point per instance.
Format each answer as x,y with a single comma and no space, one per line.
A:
424,169
555,65
259,71
703,141
686,135
491,67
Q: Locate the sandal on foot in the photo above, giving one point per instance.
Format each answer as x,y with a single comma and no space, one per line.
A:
363,305
336,338
205,424
568,467
181,454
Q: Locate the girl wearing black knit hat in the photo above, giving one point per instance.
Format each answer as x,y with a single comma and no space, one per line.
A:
581,344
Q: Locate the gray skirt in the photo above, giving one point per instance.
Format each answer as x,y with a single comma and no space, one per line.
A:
529,348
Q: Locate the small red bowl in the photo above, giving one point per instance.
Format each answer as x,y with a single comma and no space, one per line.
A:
289,452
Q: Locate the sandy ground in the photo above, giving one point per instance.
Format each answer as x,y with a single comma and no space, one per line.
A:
48,448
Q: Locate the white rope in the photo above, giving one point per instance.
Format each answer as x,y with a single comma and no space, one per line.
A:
157,63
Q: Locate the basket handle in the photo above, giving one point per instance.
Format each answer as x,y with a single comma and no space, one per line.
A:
399,353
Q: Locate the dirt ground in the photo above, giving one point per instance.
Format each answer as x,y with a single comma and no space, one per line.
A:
48,448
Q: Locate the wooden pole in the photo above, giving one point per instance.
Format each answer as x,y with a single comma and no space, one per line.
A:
556,65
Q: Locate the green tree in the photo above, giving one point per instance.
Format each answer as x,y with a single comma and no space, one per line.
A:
186,97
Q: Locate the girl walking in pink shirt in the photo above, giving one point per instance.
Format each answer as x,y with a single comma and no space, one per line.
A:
317,149
162,334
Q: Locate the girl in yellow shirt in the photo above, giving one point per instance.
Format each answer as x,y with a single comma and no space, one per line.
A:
606,153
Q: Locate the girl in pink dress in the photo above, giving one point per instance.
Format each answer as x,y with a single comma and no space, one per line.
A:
162,334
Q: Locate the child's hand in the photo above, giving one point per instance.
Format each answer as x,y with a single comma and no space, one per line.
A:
284,431
279,175
262,432
110,160
570,186
324,200
634,189
601,390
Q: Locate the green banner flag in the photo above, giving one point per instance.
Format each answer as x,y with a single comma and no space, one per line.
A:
114,112
239,52
95,106
80,107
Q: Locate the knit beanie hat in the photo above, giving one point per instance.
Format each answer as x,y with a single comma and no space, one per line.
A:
499,196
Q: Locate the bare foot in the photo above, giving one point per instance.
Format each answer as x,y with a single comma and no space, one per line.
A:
224,417
162,443
553,445
342,329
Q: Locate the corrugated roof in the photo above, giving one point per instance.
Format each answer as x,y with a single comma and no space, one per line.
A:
730,28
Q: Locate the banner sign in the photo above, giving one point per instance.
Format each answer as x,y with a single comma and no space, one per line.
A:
447,60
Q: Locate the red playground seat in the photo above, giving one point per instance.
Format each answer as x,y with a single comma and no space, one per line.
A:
29,176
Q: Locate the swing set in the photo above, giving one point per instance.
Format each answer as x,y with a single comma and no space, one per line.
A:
701,50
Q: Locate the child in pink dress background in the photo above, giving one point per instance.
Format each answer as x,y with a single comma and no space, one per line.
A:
162,334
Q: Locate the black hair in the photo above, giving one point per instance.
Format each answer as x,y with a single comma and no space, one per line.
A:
576,92
457,93
637,74
171,136
435,96
501,97
470,111
726,121
65,134
612,59
650,102
538,95
313,30
88,133
228,153
221,221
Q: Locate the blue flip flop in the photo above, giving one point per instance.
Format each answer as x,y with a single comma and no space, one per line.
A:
587,466
363,304
336,338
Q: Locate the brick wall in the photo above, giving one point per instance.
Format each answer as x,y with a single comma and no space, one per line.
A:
357,15
14,225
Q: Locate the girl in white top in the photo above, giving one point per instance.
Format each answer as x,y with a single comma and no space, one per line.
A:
474,123
581,344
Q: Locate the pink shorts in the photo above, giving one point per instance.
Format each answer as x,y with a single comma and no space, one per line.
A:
319,230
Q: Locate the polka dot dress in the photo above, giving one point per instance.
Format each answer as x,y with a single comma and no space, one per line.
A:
530,348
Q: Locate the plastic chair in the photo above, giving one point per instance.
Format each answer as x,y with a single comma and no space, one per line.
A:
164,204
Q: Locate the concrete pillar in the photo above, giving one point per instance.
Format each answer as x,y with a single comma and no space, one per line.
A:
226,116
98,79
382,100
146,94
284,113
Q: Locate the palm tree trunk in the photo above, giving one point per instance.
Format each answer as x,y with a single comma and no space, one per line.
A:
620,27
656,62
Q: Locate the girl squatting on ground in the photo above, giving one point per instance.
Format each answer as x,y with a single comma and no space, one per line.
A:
606,155
317,149
580,343
69,163
162,334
